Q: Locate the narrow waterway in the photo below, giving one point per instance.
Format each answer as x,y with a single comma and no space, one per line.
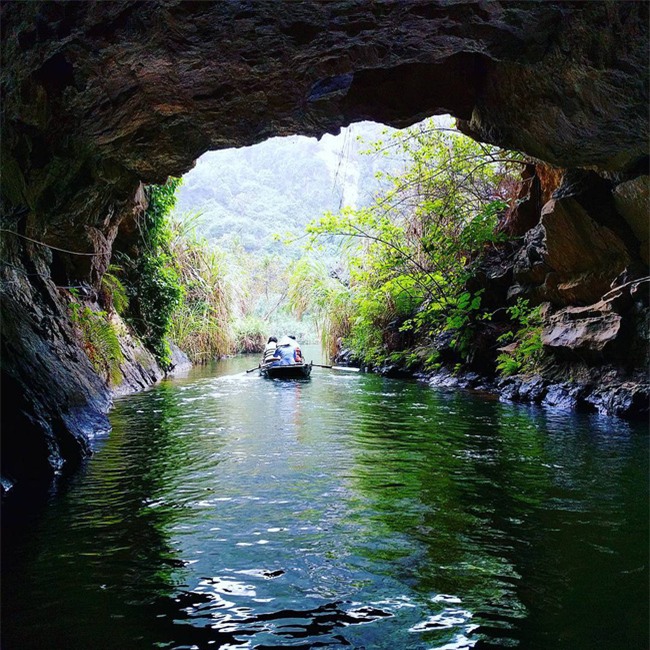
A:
348,511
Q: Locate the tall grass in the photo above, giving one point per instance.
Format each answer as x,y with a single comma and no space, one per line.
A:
250,334
201,323
322,296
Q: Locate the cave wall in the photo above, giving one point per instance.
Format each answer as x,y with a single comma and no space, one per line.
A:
101,96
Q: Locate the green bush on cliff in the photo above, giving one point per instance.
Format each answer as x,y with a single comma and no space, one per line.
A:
113,290
99,337
523,347
151,275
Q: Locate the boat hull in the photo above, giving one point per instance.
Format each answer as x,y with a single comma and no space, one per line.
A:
293,371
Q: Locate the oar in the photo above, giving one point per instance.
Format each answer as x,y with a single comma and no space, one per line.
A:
343,368
251,370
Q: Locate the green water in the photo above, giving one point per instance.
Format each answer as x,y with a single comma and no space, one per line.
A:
349,511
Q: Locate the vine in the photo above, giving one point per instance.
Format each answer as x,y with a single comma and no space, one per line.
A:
151,276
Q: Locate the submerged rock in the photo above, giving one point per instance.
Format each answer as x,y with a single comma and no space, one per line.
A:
627,400
607,392
393,371
534,389
562,396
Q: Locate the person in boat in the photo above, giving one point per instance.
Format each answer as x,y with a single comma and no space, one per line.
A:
288,351
269,351
297,352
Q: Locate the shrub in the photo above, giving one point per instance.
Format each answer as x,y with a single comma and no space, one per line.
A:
100,339
524,350
250,335
113,290
151,277
414,249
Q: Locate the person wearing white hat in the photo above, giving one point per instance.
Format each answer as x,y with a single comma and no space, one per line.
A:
288,351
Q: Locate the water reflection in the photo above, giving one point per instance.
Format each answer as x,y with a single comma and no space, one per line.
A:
349,511
103,548
513,508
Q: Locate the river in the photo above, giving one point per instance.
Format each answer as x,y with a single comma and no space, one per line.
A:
348,511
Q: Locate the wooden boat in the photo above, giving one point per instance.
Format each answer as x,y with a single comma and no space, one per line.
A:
291,371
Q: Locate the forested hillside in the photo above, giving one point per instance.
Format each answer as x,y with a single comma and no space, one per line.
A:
248,195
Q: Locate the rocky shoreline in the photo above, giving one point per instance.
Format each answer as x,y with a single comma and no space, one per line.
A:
578,250
595,359
606,392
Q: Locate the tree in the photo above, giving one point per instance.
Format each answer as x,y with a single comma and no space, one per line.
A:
412,250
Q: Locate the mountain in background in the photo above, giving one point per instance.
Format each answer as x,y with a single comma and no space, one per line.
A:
249,195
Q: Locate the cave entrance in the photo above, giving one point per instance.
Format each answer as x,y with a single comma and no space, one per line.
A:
257,208
252,206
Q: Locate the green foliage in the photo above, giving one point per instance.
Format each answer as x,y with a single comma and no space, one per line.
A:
157,295
321,295
250,335
407,358
524,350
152,279
100,339
254,203
162,199
232,299
412,251
200,323
462,316
114,290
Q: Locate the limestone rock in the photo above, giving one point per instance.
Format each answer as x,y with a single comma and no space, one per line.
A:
53,402
628,400
103,95
614,327
582,329
139,369
633,204
538,182
180,362
579,247
606,392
